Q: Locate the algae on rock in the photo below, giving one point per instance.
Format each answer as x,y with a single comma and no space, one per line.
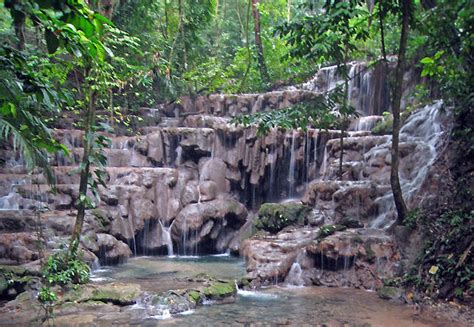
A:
273,217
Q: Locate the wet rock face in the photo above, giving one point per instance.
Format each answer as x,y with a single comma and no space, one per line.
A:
270,257
208,226
111,250
355,257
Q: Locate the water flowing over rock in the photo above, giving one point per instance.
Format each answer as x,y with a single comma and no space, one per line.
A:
353,248
187,185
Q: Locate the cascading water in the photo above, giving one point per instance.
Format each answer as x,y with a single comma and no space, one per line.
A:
292,166
423,128
167,238
294,277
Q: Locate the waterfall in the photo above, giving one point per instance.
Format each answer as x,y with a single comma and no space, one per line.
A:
179,155
316,135
273,160
422,128
324,163
292,167
307,143
165,233
10,201
294,277
365,123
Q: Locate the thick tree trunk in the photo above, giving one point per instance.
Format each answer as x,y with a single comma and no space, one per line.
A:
406,6
84,179
258,42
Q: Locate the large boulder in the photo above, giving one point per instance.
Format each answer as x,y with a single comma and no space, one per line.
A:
208,226
214,170
111,250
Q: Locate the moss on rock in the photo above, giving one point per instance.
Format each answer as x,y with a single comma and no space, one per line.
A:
116,293
220,290
195,296
121,294
273,217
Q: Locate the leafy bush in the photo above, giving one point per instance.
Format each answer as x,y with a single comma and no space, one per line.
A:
62,270
46,295
384,126
411,220
445,268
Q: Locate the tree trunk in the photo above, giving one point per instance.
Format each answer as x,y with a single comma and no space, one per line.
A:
19,21
84,179
183,38
406,6
341,154
249,53
258,42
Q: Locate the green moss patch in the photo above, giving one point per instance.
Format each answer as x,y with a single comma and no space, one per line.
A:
220,290
273,217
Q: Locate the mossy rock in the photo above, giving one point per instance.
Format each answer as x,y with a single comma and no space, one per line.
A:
195,296
328,230
116,293
101,217
220,290
273,217
121,294
18,271
177,302
390,293
245,282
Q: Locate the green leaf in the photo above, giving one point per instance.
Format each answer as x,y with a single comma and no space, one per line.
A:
103,19
427,60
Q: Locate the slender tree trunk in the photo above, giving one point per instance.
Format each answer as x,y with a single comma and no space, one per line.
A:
406,6
84,178
19,25
341,154
247,43
258,42
183,39
382,32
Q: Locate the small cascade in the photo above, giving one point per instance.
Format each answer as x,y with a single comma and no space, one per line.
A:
368,88
179,155
365,123
10,201
315,159
307,158
167,238
151,310
324,163
254,294
294,277
292,167
273,160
